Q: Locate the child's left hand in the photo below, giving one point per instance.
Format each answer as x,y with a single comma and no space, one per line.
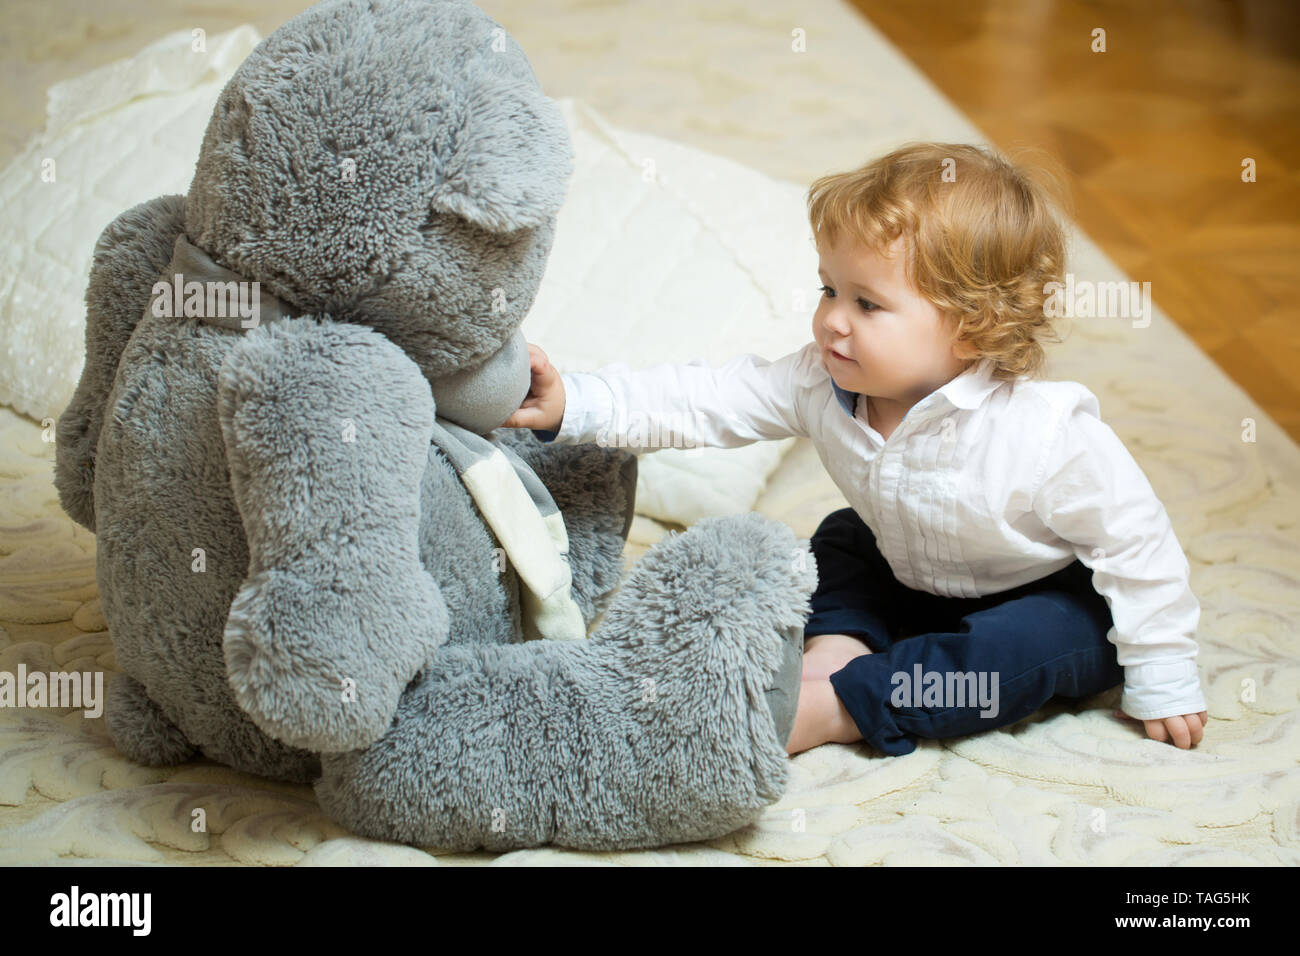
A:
1183,732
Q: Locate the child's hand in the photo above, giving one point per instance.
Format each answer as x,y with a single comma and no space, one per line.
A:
1183,732
543,407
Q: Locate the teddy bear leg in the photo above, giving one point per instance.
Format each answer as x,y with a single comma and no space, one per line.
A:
657,730
139,728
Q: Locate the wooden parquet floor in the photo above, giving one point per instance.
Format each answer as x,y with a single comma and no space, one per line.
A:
1152,134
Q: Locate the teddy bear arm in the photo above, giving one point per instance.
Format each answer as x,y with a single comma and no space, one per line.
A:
595,490
130,256
327,427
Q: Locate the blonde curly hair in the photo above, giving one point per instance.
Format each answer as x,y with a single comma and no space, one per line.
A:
981,237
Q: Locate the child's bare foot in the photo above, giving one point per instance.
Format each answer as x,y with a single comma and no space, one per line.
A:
824,654
820,718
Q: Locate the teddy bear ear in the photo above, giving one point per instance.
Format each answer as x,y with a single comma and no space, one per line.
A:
510,165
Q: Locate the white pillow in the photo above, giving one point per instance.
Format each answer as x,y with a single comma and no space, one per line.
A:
662,252
665,253
113,138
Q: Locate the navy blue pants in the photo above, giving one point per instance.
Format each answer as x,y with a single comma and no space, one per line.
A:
945,667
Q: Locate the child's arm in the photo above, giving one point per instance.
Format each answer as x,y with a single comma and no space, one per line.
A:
668,406
1093,494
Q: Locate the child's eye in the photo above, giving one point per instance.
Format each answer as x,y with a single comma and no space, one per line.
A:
867,304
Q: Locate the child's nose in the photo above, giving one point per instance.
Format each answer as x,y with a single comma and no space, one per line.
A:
835,322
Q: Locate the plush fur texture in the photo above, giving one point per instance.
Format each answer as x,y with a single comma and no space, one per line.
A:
648,733
296,581
127,261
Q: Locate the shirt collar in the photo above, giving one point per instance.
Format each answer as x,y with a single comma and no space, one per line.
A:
848,400
968,390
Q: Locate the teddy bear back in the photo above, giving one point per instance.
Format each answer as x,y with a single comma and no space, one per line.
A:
392,163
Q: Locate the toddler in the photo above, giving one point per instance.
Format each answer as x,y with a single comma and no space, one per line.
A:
1002,546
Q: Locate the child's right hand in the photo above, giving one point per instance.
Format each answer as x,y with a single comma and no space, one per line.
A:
543,408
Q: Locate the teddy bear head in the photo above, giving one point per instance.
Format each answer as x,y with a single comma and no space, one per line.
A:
395,164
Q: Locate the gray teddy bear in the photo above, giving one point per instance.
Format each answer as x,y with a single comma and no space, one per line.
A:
319,558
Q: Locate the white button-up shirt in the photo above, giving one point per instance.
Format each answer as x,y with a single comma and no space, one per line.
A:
983,486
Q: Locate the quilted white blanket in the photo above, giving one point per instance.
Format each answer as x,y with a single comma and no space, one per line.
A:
1069,785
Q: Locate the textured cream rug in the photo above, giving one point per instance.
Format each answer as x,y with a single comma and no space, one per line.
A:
1069,785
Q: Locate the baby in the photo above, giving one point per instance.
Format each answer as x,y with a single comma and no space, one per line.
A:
1003,546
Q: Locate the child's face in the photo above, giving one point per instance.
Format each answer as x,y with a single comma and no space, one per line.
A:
898,347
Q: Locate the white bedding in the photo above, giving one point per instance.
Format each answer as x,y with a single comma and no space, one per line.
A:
114,137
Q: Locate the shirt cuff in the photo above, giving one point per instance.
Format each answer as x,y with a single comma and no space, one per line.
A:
1162,689
588,410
